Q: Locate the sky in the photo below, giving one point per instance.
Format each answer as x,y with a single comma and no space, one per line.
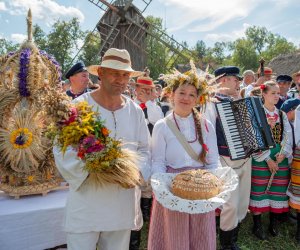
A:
186,20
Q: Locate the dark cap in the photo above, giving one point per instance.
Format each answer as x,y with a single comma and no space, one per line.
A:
228,71
290,104
76,68
283,78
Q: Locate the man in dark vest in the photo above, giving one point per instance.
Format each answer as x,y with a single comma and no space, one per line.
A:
79,80
235,209
284,82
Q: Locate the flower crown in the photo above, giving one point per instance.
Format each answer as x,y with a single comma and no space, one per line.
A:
190,77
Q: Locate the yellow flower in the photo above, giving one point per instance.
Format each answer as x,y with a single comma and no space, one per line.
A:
31,178
21,138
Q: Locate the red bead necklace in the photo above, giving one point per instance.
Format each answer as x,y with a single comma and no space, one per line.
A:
179,129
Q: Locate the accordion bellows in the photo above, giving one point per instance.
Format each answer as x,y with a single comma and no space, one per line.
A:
196,185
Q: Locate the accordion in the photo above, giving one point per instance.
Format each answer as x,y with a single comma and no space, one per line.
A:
245,127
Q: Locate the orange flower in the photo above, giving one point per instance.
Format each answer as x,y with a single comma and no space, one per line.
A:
202,99
105,131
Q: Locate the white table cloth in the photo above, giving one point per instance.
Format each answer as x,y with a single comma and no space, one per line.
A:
32,222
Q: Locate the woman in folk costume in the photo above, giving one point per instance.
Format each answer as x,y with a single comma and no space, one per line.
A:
294,187
270,168
172,230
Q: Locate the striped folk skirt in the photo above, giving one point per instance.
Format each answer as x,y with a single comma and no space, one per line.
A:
276,199
172,230
294,187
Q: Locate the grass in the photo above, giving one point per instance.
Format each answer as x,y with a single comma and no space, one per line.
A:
247,241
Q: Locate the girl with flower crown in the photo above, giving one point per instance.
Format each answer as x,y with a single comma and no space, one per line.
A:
171,229
270,168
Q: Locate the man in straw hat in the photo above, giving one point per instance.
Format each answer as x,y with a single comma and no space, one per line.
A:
104,216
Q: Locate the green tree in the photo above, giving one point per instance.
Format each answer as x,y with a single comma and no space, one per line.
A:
278,45
201,49
63,41
258,36
157,53
90,50
244,54
40,38
7,46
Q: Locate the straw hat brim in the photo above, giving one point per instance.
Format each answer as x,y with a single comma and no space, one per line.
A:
93,69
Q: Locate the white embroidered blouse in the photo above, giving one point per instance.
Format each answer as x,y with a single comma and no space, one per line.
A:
166,150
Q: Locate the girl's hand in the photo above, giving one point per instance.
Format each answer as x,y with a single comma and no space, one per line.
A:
273,166
280,158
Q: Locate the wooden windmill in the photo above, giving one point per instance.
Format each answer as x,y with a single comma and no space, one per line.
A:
123,26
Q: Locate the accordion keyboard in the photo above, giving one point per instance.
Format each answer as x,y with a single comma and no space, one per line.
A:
233,137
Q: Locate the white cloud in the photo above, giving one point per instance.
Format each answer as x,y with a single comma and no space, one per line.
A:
47,10
206,16
19,38
228,36
2,6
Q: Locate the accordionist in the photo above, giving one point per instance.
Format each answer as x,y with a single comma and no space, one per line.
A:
235,210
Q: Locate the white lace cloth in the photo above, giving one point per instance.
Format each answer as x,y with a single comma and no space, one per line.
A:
161,184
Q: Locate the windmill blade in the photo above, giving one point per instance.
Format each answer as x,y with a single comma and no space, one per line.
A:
162,37
108,39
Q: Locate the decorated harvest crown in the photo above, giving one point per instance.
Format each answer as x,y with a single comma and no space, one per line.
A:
190,77
30,101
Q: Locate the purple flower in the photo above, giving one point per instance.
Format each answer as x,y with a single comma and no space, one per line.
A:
95,148
24,62
89,140
52,59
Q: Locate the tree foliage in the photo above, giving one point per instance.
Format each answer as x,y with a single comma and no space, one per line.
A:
7,46
244,54
66,38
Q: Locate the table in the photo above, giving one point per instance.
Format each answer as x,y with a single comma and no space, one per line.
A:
32,222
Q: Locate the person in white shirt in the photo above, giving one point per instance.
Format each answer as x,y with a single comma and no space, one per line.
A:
104,216
248,78
171,229
146,96
268,73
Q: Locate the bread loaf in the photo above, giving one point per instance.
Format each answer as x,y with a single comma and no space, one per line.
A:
196,185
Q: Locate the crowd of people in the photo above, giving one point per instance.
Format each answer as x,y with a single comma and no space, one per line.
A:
137,110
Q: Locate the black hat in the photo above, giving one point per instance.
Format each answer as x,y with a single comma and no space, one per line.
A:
284,78
228,71
290,104
76,68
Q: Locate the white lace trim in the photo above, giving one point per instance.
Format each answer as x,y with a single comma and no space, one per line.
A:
269,203
161,183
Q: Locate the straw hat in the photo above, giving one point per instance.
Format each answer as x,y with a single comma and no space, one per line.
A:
118,59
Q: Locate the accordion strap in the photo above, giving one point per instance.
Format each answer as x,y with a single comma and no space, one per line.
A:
180,137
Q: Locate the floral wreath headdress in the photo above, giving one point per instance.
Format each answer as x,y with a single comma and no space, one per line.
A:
203,86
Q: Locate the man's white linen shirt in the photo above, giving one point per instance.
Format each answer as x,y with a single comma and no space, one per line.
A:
110,207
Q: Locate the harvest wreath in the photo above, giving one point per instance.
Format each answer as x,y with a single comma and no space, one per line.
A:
105,160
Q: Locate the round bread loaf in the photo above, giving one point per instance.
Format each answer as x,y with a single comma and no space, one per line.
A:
196,185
